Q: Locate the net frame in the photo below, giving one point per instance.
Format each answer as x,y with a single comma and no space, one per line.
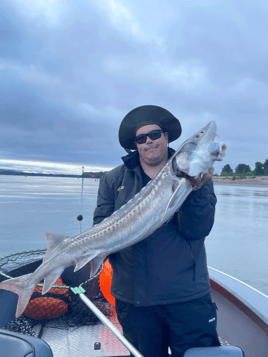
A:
17,261
43,251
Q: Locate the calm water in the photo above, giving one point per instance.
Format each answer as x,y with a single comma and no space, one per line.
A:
31,206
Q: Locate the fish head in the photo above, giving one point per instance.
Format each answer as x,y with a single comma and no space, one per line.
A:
199,152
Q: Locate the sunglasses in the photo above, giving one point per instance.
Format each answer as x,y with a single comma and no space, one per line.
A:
153,135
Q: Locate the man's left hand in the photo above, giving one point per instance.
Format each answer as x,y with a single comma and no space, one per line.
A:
199,182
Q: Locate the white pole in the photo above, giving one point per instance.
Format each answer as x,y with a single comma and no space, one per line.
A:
110,326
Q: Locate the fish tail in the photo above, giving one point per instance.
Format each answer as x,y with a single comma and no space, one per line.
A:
20,287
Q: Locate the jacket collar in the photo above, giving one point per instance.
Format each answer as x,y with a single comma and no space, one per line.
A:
132,160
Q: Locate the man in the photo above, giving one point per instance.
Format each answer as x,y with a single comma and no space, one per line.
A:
160,284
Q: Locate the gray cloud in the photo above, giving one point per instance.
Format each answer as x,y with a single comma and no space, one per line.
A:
70,72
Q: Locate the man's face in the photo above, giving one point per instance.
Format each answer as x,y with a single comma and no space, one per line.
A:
153,152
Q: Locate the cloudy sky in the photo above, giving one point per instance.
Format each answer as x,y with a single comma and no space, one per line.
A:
71,70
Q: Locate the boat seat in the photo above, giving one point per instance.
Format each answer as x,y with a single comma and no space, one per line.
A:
221,351
18,345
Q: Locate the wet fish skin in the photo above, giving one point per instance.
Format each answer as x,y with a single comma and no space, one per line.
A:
137,219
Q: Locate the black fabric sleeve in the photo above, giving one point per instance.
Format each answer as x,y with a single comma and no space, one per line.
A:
105,201
196,215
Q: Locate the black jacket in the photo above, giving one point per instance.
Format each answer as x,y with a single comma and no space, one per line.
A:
170,265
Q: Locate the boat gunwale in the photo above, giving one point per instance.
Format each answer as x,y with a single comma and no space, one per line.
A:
232,295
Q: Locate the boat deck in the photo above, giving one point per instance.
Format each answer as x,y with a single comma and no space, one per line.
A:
239,324
242,320
83,341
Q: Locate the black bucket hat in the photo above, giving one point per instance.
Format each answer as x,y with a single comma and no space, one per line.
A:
146,115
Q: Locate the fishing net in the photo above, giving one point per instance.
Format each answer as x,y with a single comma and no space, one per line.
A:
61,307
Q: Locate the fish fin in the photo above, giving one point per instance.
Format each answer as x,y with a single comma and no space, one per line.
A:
50,279
53,239
81,261
171,201
95,264
19,286
169,219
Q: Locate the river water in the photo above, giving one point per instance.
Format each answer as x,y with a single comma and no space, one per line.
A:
31,206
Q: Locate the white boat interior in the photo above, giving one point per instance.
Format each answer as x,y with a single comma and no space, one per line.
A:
242,326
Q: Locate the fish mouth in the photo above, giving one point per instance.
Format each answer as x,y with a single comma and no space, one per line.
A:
217,150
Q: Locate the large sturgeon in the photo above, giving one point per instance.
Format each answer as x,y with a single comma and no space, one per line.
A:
155,204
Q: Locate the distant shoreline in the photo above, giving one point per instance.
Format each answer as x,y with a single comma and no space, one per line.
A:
5,172
41,175
258,181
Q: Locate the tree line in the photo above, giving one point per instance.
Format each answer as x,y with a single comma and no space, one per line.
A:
93,174
261,169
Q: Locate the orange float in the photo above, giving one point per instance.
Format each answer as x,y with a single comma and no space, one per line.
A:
106,282
47,307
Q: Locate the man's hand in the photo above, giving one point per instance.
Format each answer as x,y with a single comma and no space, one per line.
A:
199,182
